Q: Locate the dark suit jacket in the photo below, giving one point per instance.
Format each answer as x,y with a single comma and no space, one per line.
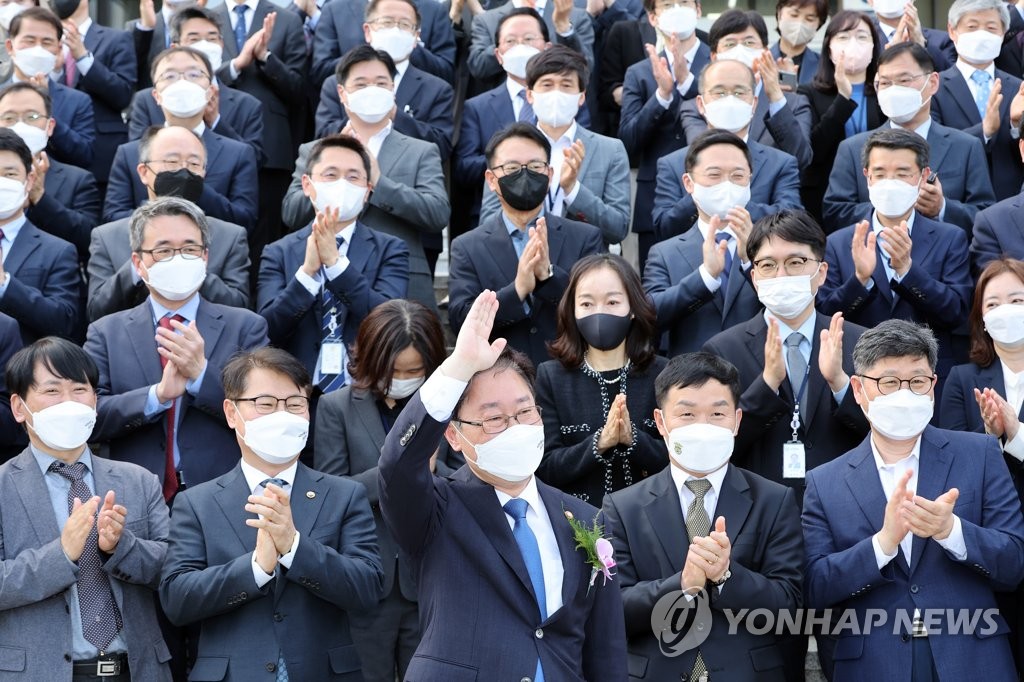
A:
229,188
70,205
938,43
681,298
45,287
1011,58
424,109
148,44
74,130
957,158
843,508
484,258
646,526
378,271
300,613
827,430
808,64
936,291
13,438
470,569
953,106
998,231
774,185
124,350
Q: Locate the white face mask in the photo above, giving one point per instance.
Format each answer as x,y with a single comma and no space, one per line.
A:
13,194
857,55
743,54
1005,324
892,198
514,454
64,426
899,103
177,278
901,415
700,448
678,21
8,12
276,438
889,9
979,47
786,296
728,113
716,200
184,98
35,138
556,108
396,42
35,60
514,60
403,388
371,104
213,52
796,32
342,195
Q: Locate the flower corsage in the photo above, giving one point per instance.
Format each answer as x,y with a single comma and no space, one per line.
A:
599,550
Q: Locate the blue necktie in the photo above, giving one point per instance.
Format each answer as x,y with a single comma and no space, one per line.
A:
240,26
724,277
519,242
526,114
331,382
528,547
282,670
984,82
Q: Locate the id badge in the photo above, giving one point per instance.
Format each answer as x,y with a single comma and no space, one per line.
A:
793,461
332,357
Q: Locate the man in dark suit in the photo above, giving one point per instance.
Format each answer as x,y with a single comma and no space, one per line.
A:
151,35
1011,56
13,437
959,186
84,537
999,230
491,535
968,91
114,283
897,263
912,523
895,23
159,400
774,178
741,546
523,253
336,269
270,593
707,263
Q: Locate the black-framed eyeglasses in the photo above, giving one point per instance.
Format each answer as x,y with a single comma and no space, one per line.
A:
498,423
794,265
890,384
265,404
190,252
174,165
511,168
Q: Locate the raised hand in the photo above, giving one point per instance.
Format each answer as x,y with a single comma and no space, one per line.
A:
662,74
865,257
325,226
897,244
76,529
774,364
473,349
894,525
843,84
990,123
184,349
110,523
830,356
539,233
172,383
609,437
571,166
526,269
275,517
930,199
931,518
738,218
714,251
41,164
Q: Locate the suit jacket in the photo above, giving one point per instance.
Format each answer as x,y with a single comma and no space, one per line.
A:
1011,58
774,185
647,529
936,291
672,280
424,106
955,156
953,106
603,199
341,28
378,271
112,286
70,205
44,290
301,613
484,258
12,434
408,202
74,130
148,44
470,568
241,117
827,430
937,42
808,64
279,84
998,231
35,598
843,509
123,348
229,187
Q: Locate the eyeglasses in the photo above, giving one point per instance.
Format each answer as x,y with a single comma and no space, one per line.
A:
332,176
739,92
729,43
902,81
738,177
511,168
498,423
265,404
794,265
193,76
530,39
886,385
10,118
173,165
190,252
390,22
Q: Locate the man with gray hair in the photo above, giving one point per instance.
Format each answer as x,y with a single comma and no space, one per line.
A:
918,525
160,402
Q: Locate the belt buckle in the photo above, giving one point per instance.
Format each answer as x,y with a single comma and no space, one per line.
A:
111,668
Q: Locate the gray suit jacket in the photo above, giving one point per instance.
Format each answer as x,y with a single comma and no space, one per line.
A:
110,269
409,200
35,628
603,199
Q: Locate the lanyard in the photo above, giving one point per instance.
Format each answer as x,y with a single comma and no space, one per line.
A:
795,422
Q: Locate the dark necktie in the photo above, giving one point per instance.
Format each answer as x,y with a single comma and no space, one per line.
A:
698,525
331,328
282,669
797,370
101,619
526,114
240,26
170,471
724,277
528,547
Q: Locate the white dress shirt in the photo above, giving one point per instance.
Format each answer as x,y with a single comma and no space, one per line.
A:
713,283
1014,383
249,14
514,89
254,478
683,87
686,496
557,199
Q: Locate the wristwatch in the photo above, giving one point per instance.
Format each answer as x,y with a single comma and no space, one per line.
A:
725,576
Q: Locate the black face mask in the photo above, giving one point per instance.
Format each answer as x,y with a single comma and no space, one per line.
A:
65,8
604,331
180,183
525,190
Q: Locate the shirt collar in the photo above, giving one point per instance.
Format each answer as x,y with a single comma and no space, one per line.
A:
1011,378
84,27
877,227
347,233
807,328
198,130
568,136
921,130
968,69
529,493
251,4
513,88
715,478
44,460
690,54
188,311
401,67
12,228
511,227
254,477
379,137
704,227
913,459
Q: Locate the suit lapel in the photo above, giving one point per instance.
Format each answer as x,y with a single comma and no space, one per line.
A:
390,152
363,406
258,15
954,81
24,244
407,93
933,473
141,330
733,502
362,248
501,106
572,561
587,138
555,241
815,382
224,19
231,499
213,147
757,335
34,497
922,241
665,514
866,487
939,143
501,250
210,325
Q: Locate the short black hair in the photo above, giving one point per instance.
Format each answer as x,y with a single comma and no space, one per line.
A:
235,375
523,130
11,141
522,12
736,21
918,53
30,87
179,18
360,54
36,14
820,8
896,138
509,359
184,49
557,59
63,358
791,225
696,369
710,138
371,8
337,141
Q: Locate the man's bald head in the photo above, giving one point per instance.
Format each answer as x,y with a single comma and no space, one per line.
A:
169,148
